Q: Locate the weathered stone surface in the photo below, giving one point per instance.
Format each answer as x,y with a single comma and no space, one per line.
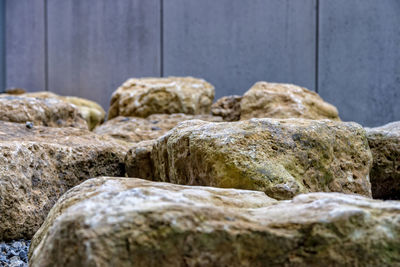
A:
134,129
138,160
132,222
228,107
282,157
277,100
38,165
47,112
146,96
92,112
385,173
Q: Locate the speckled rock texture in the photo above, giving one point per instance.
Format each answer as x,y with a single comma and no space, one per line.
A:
228,107
278,100
45,112
145,96
132,222
38,165
92,112
282,157
385,147
134,129
138,162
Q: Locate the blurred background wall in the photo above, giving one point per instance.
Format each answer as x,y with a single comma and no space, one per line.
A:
346,50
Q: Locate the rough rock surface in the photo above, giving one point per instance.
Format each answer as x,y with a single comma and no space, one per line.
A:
385,147
228,107
46,112
92,112
138,162
282,157
38,165
146,96
132,222
14,254
277,100
133,129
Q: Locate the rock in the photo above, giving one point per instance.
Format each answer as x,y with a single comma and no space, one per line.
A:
385,173
131,129
15,91
132,222
138,160
38,165
92,112
145,96
45,112
277,100
282,157
228,107
14,253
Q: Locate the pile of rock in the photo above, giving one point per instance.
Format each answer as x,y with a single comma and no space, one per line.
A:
272,177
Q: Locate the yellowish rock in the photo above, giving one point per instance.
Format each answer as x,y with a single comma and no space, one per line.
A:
278,100
228,107
132,222
145,96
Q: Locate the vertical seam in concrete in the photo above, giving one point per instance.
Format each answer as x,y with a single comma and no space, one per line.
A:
3,50
317,46
161,38
46,57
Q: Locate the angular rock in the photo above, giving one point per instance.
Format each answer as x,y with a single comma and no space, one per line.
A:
145,96
138,160
38,165
92,112
45,112
282,157
228,107
133,129
278,100
385,173
132,222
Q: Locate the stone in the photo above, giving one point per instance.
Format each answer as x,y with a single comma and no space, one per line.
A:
281,157
228,107
38,165
15,91
45,112
134,129
384,142
146,96
138,160
92,112
132,222
278,100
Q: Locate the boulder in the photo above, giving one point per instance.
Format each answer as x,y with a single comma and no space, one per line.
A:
384,142
46,112
145,96
132,222
37,165
278,100
134,129
228,107
282,157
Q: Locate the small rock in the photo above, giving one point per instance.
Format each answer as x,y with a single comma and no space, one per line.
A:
29,125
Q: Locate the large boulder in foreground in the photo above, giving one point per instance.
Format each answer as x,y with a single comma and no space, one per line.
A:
38,165
283,157
278,100
133,129
385,147
132,222
228,107
46,112
146,96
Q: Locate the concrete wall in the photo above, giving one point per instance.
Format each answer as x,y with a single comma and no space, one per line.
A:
346,50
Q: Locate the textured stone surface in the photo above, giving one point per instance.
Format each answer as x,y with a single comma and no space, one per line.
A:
38,165
133,129
278,100
228,107
282,157
138,160
145,96
132,222
385,147
92,112
46,112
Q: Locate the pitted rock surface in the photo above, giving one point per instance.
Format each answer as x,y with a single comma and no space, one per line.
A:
278,100
132,222
145,96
